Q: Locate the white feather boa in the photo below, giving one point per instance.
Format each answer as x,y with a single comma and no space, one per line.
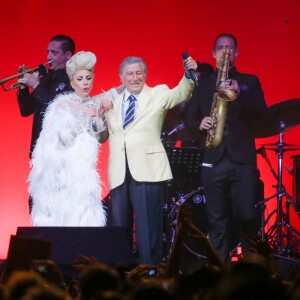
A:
64,182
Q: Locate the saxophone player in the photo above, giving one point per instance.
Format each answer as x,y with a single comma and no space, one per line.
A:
229,173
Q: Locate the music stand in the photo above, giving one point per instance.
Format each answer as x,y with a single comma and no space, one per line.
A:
185,161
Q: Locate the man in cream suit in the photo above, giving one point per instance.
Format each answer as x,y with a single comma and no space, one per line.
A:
138,164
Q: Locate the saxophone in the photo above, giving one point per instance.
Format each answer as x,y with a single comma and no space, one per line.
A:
220,104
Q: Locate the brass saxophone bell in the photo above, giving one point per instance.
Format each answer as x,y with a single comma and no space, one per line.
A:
226,95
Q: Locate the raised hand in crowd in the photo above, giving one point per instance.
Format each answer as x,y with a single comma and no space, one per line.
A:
185,227
83,261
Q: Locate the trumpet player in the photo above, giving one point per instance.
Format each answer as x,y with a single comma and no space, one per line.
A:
229,173
35,93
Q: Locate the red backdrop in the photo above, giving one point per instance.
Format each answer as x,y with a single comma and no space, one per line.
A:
269,44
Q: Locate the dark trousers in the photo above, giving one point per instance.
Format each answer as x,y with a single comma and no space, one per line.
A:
230,191
145,201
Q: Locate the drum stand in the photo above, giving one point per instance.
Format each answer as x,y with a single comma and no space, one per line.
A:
281,235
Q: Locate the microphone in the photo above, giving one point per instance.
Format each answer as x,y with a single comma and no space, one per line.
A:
191,72
262,151
90,104
177,128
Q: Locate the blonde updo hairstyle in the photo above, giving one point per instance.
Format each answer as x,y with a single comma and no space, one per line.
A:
83,60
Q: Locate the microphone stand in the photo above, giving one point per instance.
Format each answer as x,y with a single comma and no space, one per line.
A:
280,190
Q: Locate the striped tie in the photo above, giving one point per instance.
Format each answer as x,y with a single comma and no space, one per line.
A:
129,115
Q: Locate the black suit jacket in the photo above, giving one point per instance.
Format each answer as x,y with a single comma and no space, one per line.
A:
36,103
238,139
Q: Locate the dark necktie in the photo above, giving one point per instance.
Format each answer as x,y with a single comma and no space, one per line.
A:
129,115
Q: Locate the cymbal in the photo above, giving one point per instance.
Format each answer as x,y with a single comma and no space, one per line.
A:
287,111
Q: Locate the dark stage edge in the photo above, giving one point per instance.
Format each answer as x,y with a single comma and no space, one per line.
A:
109,245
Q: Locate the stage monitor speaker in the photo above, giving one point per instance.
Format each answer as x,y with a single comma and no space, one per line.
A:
109,245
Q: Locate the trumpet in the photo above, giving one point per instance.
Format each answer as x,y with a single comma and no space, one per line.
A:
41,69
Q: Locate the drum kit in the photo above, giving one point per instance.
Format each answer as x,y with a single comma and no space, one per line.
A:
282,237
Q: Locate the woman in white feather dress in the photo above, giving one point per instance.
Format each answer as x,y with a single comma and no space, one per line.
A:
64,182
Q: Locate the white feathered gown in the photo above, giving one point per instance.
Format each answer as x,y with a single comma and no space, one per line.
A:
63,181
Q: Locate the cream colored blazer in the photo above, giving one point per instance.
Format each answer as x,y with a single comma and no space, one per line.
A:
141,140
